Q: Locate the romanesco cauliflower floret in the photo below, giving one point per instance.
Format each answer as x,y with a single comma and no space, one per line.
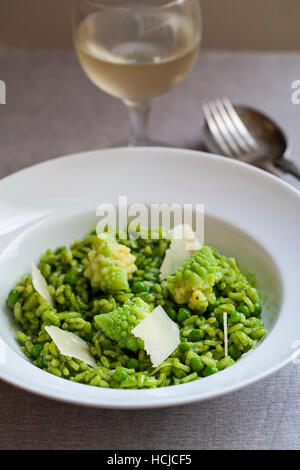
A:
111,264
193,282
117,325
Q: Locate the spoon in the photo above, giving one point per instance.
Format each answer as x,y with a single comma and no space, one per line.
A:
271,139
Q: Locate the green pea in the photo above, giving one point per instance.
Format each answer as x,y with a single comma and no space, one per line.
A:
133,363
234,352
12,297
42,362
258,308
120,375
172,313
71,278
184,347
196,335
244,309
93,232
36,349
196,364
183,314
235,317
140,287
210,370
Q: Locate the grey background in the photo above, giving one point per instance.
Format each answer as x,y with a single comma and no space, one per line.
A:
51,110
228,24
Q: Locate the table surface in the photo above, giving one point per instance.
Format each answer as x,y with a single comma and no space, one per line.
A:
52,110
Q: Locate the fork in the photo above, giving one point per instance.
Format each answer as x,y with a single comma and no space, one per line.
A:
232,136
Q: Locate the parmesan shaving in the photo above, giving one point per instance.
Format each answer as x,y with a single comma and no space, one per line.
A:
245,354
225,334
71,345
185,232
40,285
160,335
183,245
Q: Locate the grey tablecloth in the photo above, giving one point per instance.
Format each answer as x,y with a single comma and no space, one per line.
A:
51,110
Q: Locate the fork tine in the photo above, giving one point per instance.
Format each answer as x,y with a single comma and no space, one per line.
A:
235,151
215,131
240,126
240,141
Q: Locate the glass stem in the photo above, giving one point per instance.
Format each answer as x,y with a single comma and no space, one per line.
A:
139,112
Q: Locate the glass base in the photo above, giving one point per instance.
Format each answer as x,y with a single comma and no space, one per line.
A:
148,143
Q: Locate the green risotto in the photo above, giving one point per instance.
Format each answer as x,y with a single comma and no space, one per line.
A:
103,287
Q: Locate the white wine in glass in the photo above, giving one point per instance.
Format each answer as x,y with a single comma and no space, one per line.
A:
137,51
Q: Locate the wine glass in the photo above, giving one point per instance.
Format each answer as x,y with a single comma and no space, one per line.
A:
135,50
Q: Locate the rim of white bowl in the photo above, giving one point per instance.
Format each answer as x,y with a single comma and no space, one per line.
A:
157,395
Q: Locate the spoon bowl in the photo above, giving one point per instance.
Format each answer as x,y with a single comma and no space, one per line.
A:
268,134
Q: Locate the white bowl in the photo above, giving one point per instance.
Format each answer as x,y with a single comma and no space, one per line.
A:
250,215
